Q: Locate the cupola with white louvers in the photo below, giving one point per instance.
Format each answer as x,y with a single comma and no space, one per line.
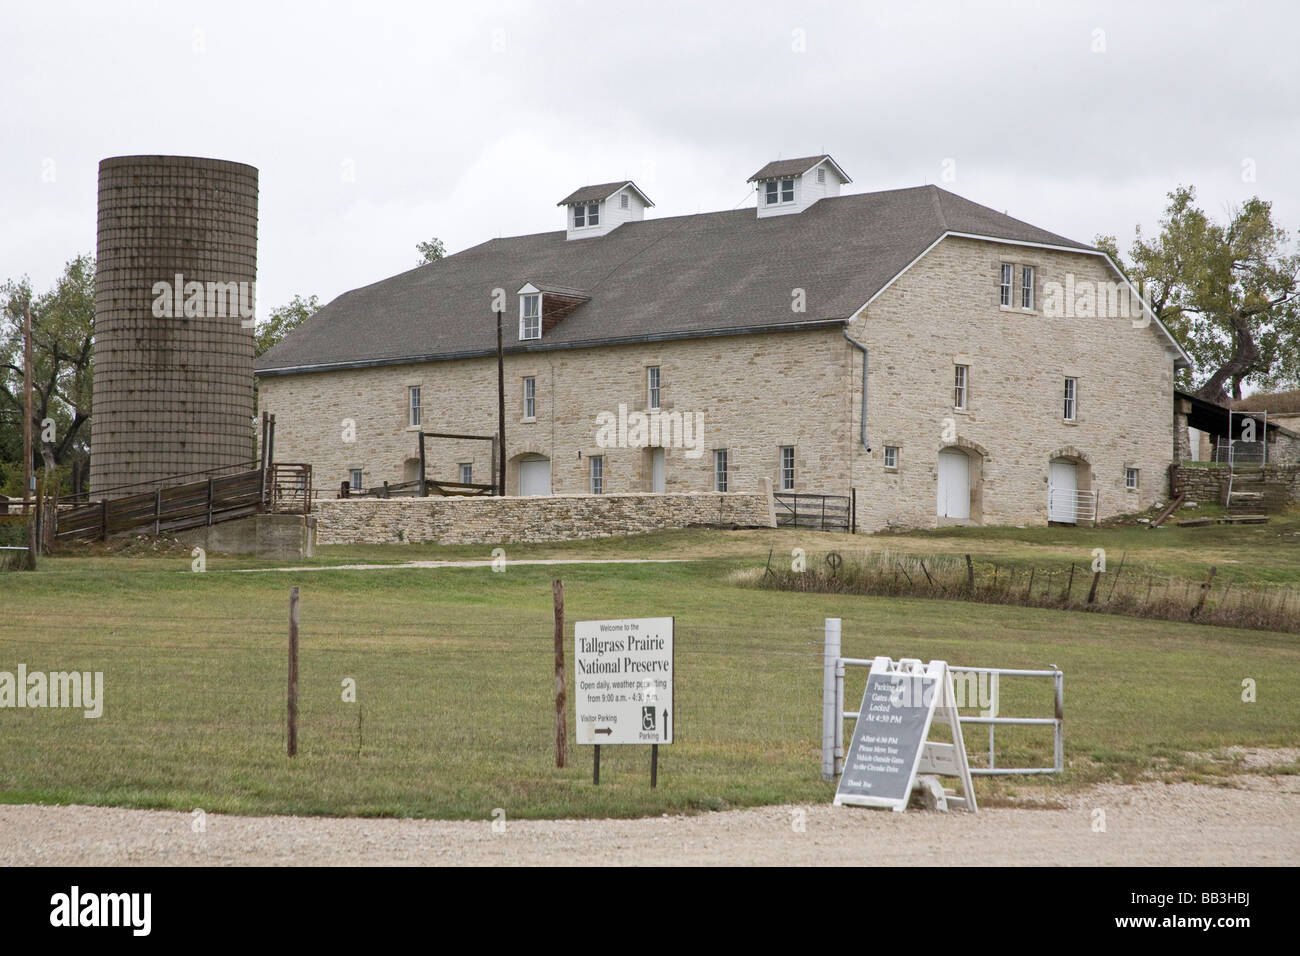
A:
787,186
599,210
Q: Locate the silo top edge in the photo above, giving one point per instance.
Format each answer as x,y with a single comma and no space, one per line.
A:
194,162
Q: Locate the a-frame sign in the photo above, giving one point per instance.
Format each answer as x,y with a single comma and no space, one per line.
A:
890,745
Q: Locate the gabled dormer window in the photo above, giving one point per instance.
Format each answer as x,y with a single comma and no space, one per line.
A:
588,215
530,316
780,191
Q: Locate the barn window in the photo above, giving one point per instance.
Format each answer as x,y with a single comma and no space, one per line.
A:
960,379
1131,479
530,316
1027,287
780,191
1004,289
720,469
530,397
891,456
1071,411
597,474
413,403
586,215
652,386
787,468
466,472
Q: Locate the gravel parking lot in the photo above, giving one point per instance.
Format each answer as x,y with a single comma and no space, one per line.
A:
1254,821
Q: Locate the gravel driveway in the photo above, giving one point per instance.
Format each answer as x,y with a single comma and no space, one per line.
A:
1255,821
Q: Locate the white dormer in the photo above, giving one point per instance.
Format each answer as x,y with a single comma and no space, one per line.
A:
792,185
598,210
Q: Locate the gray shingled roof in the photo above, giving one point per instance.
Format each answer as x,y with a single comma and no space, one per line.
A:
787,167
676,277
599,192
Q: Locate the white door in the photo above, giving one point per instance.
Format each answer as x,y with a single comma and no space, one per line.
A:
1062,492
535,476
954,484
657,470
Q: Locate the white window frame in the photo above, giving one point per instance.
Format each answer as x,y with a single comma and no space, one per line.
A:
787,467
653,390
721,465
1132,478
414,412
466,469
597,470
774,191
530,326
586,215
356,479
961,387
1004,285
891,457
530,396
1027,287
1070,408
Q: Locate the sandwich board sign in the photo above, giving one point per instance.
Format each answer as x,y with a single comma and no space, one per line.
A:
890,744
623,681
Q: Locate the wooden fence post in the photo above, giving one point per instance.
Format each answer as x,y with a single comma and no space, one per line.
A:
1205,592
561,723
293,671
970,575
1092,591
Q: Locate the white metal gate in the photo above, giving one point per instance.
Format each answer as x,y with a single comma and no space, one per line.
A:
834,715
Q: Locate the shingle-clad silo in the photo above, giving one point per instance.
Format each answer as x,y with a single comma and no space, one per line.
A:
174,285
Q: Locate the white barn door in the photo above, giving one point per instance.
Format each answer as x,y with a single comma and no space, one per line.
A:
535,476
657,470
954,484
1063,492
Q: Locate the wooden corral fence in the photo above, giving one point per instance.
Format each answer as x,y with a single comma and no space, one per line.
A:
411,489
286,488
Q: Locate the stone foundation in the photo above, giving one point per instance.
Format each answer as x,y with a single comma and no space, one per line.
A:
533,519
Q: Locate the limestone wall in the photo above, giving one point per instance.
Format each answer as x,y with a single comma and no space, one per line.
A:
531,519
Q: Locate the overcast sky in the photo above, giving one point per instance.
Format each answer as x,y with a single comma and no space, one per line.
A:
376,125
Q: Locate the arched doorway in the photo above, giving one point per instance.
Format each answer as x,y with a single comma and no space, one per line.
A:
534,475
1069,489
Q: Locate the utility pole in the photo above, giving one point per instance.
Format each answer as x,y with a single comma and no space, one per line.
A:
28,477
501,409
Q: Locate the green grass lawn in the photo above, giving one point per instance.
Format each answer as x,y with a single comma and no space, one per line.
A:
454,676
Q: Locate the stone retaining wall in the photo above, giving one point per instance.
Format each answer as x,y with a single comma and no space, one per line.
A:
1208,484
530,519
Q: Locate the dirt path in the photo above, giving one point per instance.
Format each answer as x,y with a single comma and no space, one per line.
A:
1255,822
451,564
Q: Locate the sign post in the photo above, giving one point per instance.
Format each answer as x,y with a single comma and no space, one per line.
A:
623,685
890,745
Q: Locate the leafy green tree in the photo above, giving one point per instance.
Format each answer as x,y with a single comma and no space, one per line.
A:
282,321
63,322
430,251
1229,292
